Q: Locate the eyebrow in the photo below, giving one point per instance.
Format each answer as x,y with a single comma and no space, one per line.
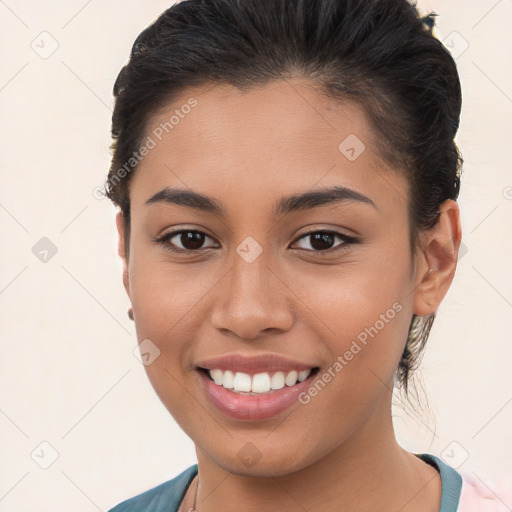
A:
286,205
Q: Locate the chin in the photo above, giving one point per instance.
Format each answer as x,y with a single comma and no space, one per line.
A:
269,469
250,462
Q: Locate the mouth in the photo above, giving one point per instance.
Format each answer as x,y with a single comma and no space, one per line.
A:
256,388
258,383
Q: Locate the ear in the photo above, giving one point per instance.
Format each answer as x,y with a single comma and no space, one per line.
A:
438,259
122,249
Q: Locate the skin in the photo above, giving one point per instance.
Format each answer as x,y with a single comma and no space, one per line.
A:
247,150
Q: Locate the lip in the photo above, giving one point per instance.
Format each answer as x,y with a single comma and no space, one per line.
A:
254,364
253,407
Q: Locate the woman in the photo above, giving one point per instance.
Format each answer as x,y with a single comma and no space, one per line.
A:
287,179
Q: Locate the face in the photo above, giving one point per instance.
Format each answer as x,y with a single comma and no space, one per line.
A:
255,279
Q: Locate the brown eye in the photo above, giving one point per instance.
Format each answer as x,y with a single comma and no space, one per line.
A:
323,241
184,240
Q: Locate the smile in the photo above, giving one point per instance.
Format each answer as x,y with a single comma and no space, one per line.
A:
254,388
259,383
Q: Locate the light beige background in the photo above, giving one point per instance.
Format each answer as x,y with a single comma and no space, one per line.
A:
68,373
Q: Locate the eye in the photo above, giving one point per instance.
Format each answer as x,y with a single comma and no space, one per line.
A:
321,241
186,240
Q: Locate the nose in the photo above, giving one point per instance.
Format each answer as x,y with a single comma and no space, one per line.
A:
251,299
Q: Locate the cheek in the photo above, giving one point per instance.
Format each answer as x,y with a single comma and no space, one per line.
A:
367,325
165,296
165,300
353,300
363,314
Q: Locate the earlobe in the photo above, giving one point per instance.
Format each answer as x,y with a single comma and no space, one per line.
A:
440,252
122,249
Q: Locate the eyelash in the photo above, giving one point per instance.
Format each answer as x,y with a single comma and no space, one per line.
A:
164,240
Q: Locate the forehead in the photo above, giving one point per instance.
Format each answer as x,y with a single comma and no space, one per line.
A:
284,115
270,140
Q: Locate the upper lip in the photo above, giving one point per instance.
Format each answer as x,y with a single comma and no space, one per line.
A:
254,364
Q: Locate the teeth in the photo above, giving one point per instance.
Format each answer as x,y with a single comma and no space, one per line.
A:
242,382
260,383
228,379
303,375
216,375
291,378
277,381
263,382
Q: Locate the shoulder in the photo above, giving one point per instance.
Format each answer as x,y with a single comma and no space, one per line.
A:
165,497
451,482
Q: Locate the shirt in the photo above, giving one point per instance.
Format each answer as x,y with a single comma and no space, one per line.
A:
457,495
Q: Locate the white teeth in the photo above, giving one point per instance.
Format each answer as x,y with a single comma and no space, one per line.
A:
242,382
291,378
262,382
303,375
216,376
228,379
277,381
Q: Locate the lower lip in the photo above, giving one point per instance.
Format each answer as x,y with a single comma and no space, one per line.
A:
253,407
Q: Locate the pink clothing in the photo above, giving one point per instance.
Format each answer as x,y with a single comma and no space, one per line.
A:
476,496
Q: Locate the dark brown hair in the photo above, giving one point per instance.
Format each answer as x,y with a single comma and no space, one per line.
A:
380,53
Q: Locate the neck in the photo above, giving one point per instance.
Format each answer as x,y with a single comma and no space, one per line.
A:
367,471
